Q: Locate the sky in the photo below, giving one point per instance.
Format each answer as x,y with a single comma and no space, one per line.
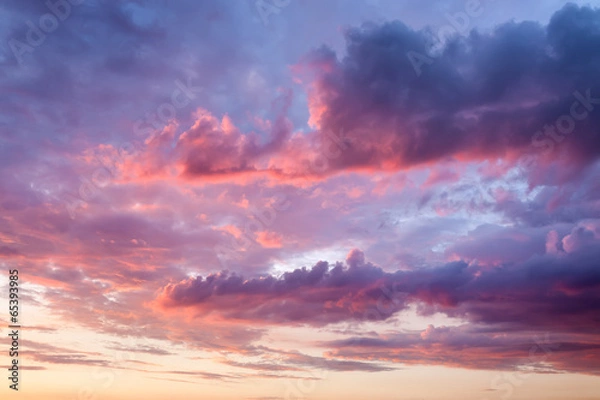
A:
301,199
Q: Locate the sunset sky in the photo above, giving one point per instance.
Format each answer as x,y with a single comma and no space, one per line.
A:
301,199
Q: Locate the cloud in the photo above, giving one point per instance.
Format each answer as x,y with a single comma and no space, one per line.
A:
319,295
212,147
545,291
506,308
50,354
141,349
581,237
280,360
333,364
482,96
476,347
203,375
